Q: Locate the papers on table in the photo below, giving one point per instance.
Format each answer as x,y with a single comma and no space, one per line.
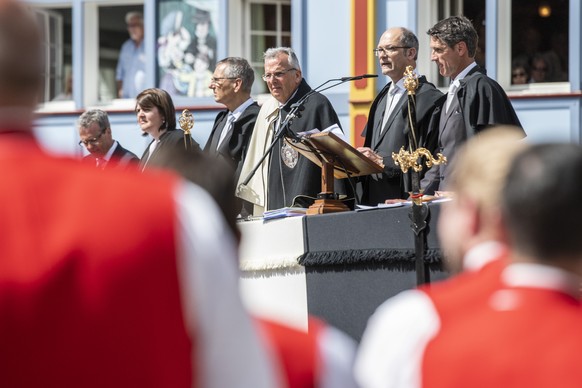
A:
360,208
284,212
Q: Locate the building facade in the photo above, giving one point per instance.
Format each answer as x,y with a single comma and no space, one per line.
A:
183,39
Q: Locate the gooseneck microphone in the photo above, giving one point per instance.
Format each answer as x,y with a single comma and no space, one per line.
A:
357,77
296,108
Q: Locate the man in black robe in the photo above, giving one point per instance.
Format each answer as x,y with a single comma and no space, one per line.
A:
387,129
231,84
474,101
285,177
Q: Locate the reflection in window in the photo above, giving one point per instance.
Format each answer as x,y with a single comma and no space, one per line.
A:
540,40
113,33
270,26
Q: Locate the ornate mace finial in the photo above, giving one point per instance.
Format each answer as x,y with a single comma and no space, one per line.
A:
412,160
410,80
186,121
413,157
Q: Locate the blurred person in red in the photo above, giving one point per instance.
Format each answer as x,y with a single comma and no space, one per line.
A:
518,297
90,298
322,356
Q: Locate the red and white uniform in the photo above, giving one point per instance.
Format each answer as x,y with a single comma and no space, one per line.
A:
322,357
497,326
116,279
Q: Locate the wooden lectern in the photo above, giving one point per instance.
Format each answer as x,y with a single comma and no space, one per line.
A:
337,159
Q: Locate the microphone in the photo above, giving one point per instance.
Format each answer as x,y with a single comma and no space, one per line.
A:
357,77
295,111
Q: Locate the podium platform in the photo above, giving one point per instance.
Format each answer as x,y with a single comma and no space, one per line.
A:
338,266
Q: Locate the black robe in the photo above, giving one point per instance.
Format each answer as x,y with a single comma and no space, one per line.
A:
169,140
392,183
234,147
286,184
482,104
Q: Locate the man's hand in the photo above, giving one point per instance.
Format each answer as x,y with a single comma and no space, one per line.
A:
372,155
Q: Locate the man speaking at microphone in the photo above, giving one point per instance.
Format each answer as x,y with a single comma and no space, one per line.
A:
387,128
284,174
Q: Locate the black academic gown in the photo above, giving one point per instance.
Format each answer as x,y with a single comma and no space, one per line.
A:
391,183
482,103
287,182
168,141
234,146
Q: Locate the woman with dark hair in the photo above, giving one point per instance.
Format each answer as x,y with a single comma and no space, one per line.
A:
156,117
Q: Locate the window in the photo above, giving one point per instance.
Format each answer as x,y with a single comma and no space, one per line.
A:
56,24
539,49
270,26
113,33
531,47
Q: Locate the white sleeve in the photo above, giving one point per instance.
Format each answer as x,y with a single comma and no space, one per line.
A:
393,344
229,351
338,352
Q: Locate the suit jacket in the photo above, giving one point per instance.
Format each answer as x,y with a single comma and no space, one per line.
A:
480,102
391,184
121,158
234,147
168,141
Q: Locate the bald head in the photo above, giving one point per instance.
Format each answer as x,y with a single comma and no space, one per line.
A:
21,55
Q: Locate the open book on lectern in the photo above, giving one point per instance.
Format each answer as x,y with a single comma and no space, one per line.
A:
328,148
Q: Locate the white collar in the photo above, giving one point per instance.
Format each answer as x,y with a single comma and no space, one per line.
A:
457,81
109,153
534,275
241,108
481,254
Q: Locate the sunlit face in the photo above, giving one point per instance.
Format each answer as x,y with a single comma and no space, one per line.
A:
282,78
224,88
96,140
135,29
150,120
454,229
447,58
392,57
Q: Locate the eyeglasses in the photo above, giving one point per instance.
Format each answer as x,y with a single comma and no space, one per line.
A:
214,80
390,49
518,75
92,141
277,75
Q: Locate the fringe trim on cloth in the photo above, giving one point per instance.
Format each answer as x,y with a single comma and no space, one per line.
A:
368,256
270,265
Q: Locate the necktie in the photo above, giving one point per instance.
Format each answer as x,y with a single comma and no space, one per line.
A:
451,95
100,163
390,104
226,129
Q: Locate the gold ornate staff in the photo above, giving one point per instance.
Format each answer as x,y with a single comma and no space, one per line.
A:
186,121
411,159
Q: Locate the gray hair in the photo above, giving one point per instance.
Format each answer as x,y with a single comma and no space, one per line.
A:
133,14
236,67
94,116
409,39
456,29
272,53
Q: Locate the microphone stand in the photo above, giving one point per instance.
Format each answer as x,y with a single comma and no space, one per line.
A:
285,131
